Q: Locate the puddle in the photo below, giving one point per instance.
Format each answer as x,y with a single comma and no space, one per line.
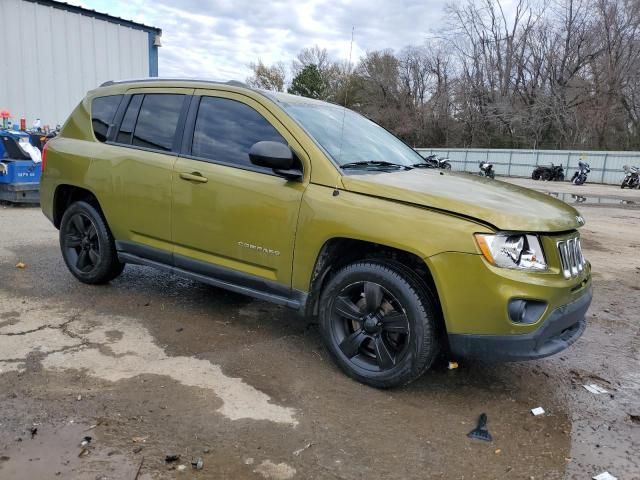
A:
573,199
53,453
116,348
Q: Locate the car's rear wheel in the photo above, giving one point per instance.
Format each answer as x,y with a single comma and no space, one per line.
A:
379,324
87,245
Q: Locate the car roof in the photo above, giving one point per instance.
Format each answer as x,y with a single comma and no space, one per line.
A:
278,97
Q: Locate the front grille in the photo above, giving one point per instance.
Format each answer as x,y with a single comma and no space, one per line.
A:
571,257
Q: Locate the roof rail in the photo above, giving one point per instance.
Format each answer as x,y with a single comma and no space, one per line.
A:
233,83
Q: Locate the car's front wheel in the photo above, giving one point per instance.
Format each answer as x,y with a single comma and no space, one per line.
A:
87,245
379,323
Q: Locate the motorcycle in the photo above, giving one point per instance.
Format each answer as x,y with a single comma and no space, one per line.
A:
553,172
486,170
631,178
581,175
437,162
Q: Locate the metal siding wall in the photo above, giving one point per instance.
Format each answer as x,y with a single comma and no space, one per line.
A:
606,167
52,57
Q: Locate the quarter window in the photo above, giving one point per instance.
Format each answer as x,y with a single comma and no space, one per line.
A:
226,129
103,111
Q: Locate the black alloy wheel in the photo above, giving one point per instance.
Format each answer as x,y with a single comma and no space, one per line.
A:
87,245
370,326
81,243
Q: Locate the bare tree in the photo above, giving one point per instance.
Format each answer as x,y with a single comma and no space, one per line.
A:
267,77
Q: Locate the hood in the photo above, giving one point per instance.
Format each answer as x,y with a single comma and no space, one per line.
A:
501,204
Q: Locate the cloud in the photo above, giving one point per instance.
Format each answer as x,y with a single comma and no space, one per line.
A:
217,39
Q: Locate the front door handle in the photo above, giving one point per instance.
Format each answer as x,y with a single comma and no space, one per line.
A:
194,177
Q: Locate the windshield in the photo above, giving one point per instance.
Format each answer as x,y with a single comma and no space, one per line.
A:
363,140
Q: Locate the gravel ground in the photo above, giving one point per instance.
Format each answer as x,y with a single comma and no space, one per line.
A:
153,365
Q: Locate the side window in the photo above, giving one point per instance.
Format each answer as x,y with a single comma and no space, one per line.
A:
226,129
157,121
129,120
103,110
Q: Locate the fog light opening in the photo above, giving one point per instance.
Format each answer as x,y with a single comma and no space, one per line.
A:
525,311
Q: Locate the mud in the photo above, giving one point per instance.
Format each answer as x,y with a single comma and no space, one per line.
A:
151,365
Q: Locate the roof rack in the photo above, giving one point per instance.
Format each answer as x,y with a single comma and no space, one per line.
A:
233,83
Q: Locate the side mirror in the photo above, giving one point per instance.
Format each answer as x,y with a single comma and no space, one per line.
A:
277,156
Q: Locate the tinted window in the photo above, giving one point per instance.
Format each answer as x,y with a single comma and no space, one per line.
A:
225,130
157,121
129,120
103,110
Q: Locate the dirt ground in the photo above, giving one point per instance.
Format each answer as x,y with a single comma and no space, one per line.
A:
153,365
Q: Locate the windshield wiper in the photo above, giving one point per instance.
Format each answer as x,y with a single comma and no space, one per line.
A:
374,164
422,165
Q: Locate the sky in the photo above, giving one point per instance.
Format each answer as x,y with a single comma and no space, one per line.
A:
218,39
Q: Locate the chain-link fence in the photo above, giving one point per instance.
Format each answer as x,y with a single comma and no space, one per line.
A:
606,167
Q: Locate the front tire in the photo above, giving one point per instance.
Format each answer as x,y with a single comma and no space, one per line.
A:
87,245
379,323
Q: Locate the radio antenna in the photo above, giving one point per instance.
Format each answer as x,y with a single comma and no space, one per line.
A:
346,95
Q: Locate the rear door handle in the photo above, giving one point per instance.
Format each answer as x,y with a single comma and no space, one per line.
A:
194,177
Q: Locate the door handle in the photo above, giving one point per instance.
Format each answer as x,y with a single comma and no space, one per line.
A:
194,177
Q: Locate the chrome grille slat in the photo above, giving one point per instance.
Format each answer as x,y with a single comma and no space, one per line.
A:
571,258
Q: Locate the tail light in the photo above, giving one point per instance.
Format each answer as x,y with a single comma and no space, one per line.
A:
44,156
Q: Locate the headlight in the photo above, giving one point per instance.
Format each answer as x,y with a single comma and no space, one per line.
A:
512,251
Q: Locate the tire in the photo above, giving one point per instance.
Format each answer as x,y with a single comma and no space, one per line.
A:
378,322
492,175
546,175
87,246
535,175
446,166
580,179
560,177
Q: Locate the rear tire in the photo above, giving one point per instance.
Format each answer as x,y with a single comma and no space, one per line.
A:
535,175
87,245
379,323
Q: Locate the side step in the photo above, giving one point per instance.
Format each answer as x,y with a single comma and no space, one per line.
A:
294,303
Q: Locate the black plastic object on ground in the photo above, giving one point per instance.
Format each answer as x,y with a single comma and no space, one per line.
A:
481,432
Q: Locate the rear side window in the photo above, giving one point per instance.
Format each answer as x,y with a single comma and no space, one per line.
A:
226,129
157,121
103,111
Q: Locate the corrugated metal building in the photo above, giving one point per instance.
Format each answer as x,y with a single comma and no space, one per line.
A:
51,53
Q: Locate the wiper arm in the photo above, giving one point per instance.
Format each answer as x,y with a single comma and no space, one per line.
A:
422,165
374,163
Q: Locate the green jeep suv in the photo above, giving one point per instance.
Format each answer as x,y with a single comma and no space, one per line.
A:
312,206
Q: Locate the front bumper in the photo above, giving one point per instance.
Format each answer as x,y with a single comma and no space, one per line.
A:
562,327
